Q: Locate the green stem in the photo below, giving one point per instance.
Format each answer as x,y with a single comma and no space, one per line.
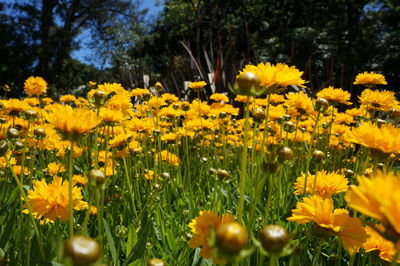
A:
70,209
243,167
28,206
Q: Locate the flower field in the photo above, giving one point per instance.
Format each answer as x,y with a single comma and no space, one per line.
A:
141,177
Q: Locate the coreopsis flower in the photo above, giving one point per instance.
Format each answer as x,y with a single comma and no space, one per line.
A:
35,86
55,168
50,201
14,106
384,138
47,100
120,141
335,95
320,211
219,97
377,100
111,117
72,123
197,86
376,242
79,179
370,79
169,98
300,102
285,76
326,184
169,158
377,196
120,102
149,174
67,98
32,101
243,99
139,92
201,226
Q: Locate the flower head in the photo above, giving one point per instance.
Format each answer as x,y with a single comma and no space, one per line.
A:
72,123
335,95
316,209
35,86
201,226
377,196
378,100
384,138
50,201
326,184
370,79
197,86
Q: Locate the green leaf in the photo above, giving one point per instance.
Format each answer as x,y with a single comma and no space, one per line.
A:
132,239
110,241
8,230
137,262
171,240
140,247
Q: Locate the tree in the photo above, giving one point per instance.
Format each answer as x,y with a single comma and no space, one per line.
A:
48,31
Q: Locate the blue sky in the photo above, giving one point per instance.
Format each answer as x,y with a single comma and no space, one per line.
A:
88,56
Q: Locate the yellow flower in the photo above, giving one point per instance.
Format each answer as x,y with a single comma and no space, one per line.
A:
377,196
300,101
378,100
375,241
35,86
73,123
79,179
200,227
279,75
316,209
384,138
169,98
370,79
67,98
55,168
327,184
197,86
93,210
335,95
170,158
148,175
285,76
219,97
139,92
111,117
15,106
50,201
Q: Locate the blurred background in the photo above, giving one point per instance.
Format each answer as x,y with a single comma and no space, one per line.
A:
137,43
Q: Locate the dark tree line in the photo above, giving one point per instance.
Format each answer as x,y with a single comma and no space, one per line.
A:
330,40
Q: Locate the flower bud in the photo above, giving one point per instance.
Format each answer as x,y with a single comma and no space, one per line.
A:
12,133
97,175
3,147
318,155
285,154
99,98
274,238
258,115
39,133
82,250
222,174
247,83
231,238
321,105
156,262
